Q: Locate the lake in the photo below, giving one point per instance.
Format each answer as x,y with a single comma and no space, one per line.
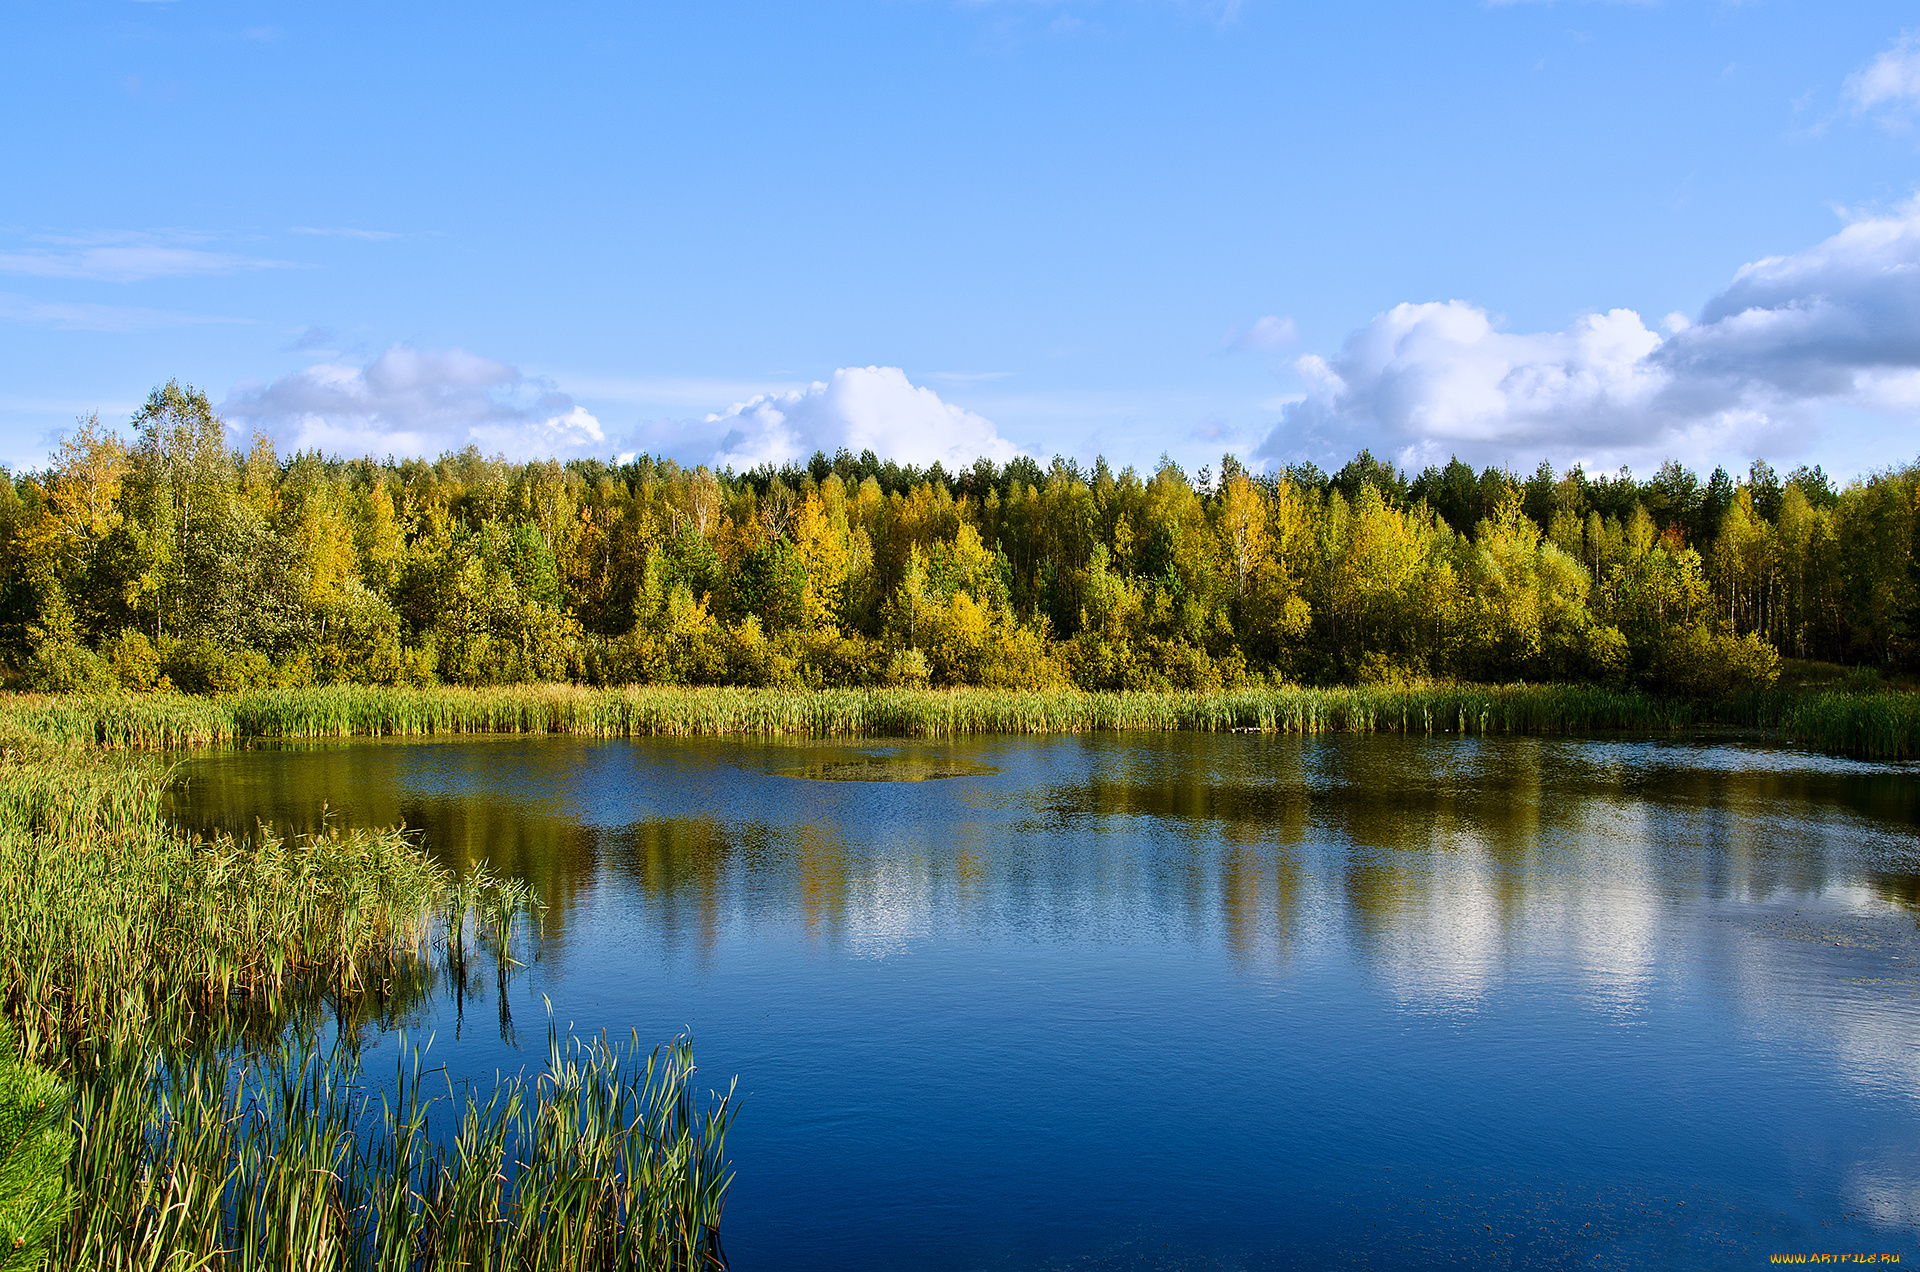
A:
1211,1001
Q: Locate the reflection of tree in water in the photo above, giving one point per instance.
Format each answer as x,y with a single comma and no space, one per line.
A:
1445,846
1411,830
1259,893
557,857
684,867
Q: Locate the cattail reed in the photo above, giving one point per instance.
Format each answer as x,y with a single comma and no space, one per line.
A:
185,1025
162,721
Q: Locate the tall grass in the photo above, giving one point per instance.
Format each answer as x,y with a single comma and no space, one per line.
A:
1866,719
607,1159
1871,726
161,722
1874,725
105,910
179,988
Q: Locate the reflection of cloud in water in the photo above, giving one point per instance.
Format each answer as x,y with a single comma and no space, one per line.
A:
1861,1001
1839,981
1884,1195
1875,1050
1459,910
1442,945
1612,943
888,906
1605,901
1854,898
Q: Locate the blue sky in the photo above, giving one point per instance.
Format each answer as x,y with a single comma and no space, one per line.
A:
740,231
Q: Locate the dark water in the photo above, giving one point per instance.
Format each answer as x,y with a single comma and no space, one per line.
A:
1197,1001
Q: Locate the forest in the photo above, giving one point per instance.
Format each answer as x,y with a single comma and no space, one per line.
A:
175,561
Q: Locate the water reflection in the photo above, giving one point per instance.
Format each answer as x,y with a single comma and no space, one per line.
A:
1437,857
1264,989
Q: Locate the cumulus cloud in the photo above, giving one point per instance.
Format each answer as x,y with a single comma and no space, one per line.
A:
413,401
1836,324
1890,84
859,408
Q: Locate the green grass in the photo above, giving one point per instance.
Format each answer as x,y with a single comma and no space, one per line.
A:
36,1141
171,1104
607,1159
1880,723
1870,726
161,722
106,911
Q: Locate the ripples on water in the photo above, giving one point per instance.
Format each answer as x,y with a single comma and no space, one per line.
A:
1188,1000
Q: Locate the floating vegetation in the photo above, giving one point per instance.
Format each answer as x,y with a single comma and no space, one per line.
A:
882,767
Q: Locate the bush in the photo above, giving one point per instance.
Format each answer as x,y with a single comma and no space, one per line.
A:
633,659
35,1144
359,641
1099,663
1020,659
828,660
755,661
200,666
1707,663
908,669
1608,658
1185,666
67,667
133,662
1376,667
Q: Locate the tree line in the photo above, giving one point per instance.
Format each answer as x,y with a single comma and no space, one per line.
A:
177,561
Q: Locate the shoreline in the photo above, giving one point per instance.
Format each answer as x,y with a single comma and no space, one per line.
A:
1874,726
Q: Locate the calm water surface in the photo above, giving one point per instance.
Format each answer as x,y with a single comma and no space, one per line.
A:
1196,1001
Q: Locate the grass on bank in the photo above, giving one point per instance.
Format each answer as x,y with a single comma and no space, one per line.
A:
1853,715
183,1087
606,1159
36,1141
157,722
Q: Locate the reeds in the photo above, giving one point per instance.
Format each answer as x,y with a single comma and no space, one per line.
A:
1868,726
160,722
607,1159
178,988
105,910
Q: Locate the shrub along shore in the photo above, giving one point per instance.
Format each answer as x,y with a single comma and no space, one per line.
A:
180,1075
1867,725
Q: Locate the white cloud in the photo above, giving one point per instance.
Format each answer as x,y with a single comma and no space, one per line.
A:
679,393
968,377
1890,84
860,408
418,402
371,236
130,263
1808,324
1268,333
1837,324
1439,377
85,317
